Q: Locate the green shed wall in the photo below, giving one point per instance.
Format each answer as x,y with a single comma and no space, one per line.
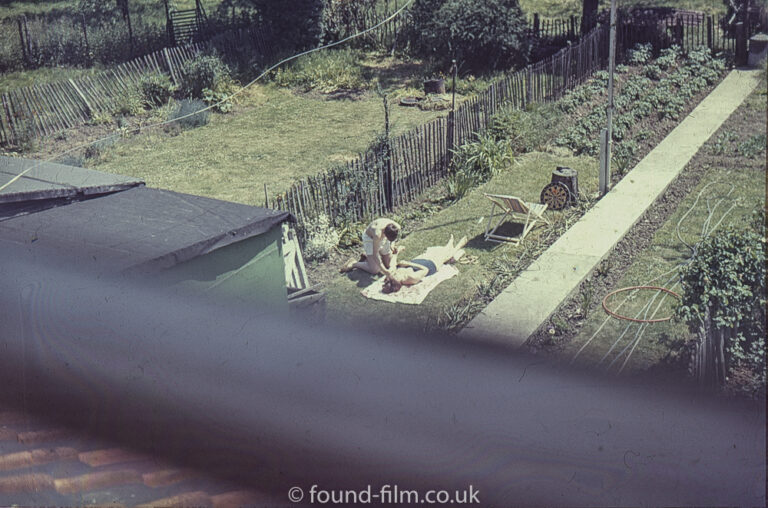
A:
250,271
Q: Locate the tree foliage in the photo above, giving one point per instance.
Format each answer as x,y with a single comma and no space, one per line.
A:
725,284
480,34
290,27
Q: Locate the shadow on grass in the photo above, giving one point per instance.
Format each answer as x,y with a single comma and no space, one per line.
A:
511,229
362,279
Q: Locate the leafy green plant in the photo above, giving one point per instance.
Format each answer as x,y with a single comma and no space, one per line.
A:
723,143
624,155
320,238
156,89
724,287
640,54
325,71
100,118
752,146
129,102
459,184
668,57
190,113
524,131
653,72
484,158
480,34
201,72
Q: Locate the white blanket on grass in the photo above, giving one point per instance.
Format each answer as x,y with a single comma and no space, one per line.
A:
413,295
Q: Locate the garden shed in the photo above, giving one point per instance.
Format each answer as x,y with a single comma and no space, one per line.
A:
110,224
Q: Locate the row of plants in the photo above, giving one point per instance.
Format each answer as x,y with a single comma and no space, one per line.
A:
661,89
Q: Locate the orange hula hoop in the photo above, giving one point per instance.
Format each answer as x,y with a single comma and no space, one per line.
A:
631,288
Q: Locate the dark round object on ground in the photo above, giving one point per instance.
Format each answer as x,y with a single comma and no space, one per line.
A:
555,195
434,86
568,177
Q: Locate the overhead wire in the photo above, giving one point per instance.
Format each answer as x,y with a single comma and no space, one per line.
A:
115,134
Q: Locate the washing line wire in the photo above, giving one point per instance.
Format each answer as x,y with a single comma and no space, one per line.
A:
394,15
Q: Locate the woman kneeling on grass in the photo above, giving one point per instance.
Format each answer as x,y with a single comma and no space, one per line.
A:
412,272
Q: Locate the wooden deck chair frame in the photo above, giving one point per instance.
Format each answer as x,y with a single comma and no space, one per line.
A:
517,210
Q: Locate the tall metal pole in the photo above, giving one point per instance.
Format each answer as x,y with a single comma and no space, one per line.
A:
611,66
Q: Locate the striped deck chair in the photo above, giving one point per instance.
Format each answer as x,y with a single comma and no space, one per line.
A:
517,210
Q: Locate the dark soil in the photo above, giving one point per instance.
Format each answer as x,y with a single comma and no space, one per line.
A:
715,155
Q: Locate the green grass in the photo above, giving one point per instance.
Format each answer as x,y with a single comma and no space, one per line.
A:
664,255
18,79
62,7
564,8
276,137
524,178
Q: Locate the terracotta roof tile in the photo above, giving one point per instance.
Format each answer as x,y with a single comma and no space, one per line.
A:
110,456
42,436
97,480
239,498
166,477
198,498
26,483
21,460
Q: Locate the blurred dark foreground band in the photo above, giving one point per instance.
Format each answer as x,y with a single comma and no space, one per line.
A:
248,394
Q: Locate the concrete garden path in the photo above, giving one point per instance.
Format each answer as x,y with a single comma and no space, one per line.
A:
539,290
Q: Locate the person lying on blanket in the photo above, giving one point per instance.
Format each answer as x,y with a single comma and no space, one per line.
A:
412,272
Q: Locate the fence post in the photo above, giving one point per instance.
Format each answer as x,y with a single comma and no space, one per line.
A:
536,24
710,29
679,30
741,44
24,54
85,38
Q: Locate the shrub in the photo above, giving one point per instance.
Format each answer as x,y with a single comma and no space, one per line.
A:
668,57
458,184
483,158
524,131
342,18
724,286
480,34
289,29
190,113
653,72
129,102
326,71
201,72
98,149
320,237
640,54
156,89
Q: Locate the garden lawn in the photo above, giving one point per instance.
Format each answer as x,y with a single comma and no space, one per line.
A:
564,8
276,136
524,178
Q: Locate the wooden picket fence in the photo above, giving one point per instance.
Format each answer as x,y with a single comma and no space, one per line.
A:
45,109
374,183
